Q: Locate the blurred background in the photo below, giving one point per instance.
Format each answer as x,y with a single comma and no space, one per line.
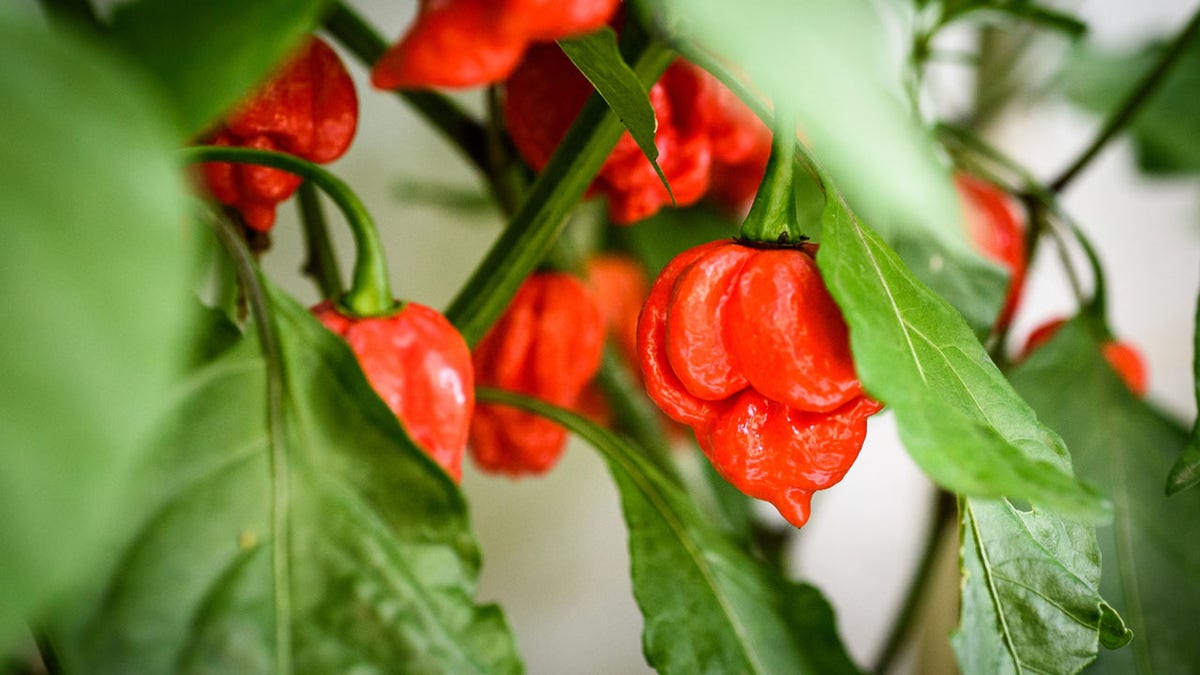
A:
554,549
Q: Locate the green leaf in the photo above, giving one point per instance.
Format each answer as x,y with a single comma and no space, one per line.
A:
94,264
709,607
1151,561
208,55
291,526
598,57
828,60
1032,12
958,417
1030,599
1166,134
1186,471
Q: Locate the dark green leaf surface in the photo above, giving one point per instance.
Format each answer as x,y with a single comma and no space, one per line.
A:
295,532
1151,562
598,57
709,607
958,417
1186,471
93,267
1167,132
207,55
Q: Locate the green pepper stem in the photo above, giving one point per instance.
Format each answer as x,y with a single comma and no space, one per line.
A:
321,263
772,217
369,294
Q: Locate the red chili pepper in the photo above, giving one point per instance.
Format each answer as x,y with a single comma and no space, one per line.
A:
467,43
421,367
548,344
703,132
745,345
1122,356
309,109
997,230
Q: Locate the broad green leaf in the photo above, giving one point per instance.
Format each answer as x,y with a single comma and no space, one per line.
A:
1186,471
208,55
1151,562
94,265
1030,598
291,526
1166,133
829,61
958,417
598,57
709,607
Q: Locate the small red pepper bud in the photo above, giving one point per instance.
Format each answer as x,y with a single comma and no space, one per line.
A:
421,367
308,109
1122,356
548,344
467,43
997,231
745,345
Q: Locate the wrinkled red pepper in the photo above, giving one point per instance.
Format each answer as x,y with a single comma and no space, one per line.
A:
548,345
744,344
421,367
1122,356
708,141
997,231
309,109
467,43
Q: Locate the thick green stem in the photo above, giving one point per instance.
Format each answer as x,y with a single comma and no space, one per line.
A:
772,217
558,188
369,294
321,264
1133,103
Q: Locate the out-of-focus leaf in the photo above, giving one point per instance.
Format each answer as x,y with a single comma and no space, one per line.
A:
1186,471
829,61
1167,132
958,417
93,263
292,526
598,57
1151,561
709,607
1022,10
207,55
671,231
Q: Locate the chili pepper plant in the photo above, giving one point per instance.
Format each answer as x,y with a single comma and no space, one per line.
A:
722,246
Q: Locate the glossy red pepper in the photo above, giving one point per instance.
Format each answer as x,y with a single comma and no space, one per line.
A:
744,344
421,367
467,43
548,344
997,231
706,137
1122,356
309,109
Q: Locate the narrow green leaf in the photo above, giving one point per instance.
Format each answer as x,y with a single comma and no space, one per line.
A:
1186,471
1151,561
207,55
958,417
597,56
93,265
291,526
1030,598
709,607
1042,15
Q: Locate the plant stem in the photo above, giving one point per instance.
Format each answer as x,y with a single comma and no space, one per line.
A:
940,521
772,217
321,265
46,651
369,294
558,188
1133,104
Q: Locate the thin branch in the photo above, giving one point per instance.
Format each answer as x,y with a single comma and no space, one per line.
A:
321,263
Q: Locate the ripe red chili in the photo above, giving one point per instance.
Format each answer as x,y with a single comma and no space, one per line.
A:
309,109
745,345
1122,356
548,344
996,229
421,367
706,138
466,43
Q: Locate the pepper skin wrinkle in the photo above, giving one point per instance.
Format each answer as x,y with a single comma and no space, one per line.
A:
421,367
744,344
